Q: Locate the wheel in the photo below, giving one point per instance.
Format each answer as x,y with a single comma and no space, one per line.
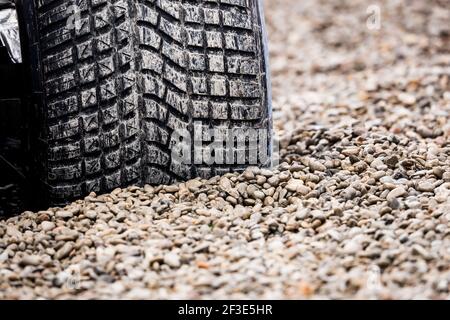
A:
145,92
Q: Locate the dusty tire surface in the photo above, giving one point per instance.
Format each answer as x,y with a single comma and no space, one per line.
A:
120,79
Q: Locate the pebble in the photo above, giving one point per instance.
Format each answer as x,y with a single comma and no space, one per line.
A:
64,214
172,260
407,99
316,165
30,260
396,193
425,186
64,251
47,226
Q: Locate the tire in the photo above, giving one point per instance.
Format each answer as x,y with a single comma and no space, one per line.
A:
118,80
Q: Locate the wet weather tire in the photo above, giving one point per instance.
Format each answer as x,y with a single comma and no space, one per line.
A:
121,82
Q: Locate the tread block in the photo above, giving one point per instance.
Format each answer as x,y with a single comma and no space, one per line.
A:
68,151
61,84
59,60
132,150
64,130
111,138
156,176
132,172
240,112
152,61
62,107
178,101
173,30
153,110
112,180
154,133
175,77
155,155
66,173
149,37
93,185
88,98
90,122
153,86
87,73
112,160
92,166
91,144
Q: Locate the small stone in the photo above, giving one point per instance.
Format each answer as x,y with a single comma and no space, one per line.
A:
349,193
258,194
425,132
352,247
193,185
396,193
446,176
438,172
378,164
406,98
91,214
12,231
64,251
172,188
351,151
425,186
225,184
316,166
47,226
293,184
391,161
30,260
64,215
172,260
419,250
274,181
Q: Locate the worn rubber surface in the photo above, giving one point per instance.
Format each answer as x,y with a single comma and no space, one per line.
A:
119,76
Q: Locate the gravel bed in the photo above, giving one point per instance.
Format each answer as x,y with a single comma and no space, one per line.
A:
358,208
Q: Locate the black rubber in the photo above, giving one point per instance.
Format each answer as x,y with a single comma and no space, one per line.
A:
121,78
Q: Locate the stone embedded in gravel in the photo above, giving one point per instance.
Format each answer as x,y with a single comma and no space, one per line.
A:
316,165
13,232
30,260
63,214
446,176
172,188
47,226
64,251
172,259
353,151
91,214
406,98
378,164
396,193
391,161
274,181
425,186
293,185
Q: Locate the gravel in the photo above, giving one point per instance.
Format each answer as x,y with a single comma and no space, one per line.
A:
358,208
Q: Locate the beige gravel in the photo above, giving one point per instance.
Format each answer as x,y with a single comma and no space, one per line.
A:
359,207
